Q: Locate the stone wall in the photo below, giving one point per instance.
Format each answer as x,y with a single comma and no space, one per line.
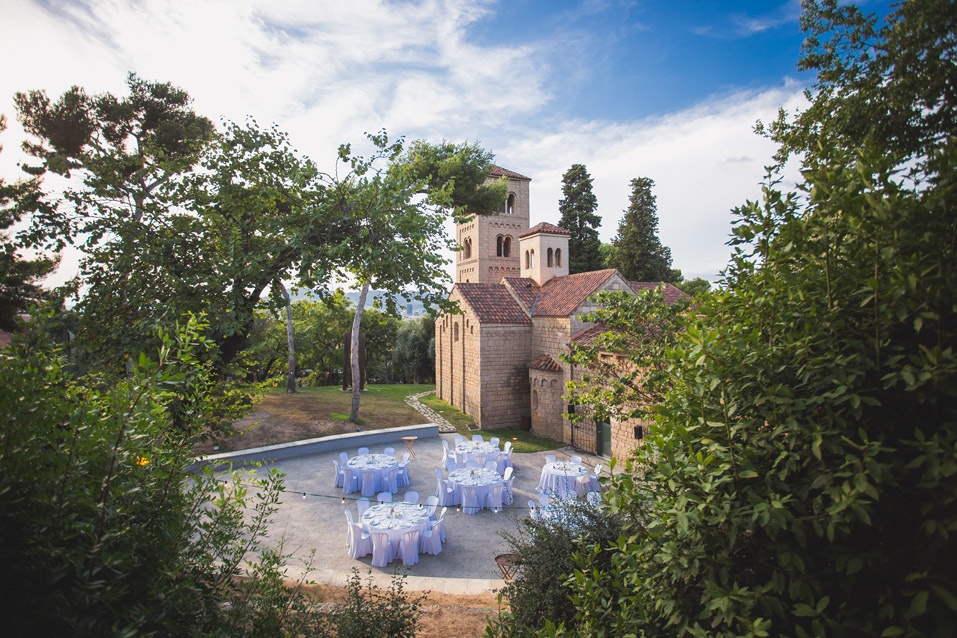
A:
547,405
623,440
550,336
504,386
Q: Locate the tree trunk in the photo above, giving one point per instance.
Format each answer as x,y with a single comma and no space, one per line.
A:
356,372
291,376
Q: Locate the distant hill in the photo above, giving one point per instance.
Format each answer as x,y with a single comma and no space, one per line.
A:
408,307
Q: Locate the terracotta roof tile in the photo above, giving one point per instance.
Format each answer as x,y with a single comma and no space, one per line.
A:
559,297
671,293
498,171
524,288
544,227
588,336
492,303
544,362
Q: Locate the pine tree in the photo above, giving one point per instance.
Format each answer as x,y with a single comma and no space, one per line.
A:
579,218
638,254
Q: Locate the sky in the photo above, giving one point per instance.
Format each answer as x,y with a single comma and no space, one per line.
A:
669,90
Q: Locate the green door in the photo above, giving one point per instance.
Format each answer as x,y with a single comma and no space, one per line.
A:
604,440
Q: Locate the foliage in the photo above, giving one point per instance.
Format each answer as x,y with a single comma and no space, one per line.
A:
578,216
547,553
371,612
122,158
638,254
102,532
18,276
694,287
801,478
413,358
625,371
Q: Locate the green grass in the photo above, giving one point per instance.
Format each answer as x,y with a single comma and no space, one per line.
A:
523,441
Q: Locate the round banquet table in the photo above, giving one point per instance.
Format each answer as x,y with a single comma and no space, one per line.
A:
561,478
395,518
380,463
478,477
477,452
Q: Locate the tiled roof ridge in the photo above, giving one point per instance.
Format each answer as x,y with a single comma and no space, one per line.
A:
544,362
499,171
492,303
544,227
563,294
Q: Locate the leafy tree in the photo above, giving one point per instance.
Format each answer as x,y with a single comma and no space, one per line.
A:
801,479
694,286
122,158
639,255
102,532
577,208
414,356
18,276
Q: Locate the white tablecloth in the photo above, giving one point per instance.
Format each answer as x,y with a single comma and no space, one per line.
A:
380,463
476,452
395,518
480,478
561,478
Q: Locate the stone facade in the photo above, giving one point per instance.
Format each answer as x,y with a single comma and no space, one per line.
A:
499,361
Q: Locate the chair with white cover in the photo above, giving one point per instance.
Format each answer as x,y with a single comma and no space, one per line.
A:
507,452
472,502
533,509
384,497
411,497
459,439
495,441
477,438
544,499
370,482
593,483
491,465
391,480
508,478
446,453
339,474
431,542
350,480
363,451
389,451
360,543
451,465
443,490
431,504
343,459
440,522
403,478
550,458
409,547
494,499
362,504
577,460
382,551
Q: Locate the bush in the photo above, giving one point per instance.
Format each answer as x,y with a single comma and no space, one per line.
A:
372,612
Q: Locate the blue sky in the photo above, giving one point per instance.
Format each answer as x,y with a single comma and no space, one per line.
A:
631,88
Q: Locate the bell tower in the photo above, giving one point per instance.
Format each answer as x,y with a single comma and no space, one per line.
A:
488,244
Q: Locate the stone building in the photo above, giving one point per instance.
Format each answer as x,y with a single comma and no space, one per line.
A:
499,360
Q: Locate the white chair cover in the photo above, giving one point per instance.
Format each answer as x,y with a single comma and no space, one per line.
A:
593,483
411,497
532,510
443,491
431,504
360,543
403,478
494,499
494,441
384,497
459,438
478,438
363,450
451,465
440,523
577,460
389,451
382,550
350,482
492,465
362,504
550,458
409,547
393,480
445,454
339,475
431,542
370,484
507,496
343,459
471,501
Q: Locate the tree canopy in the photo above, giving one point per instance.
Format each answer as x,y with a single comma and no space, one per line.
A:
638,253
578,217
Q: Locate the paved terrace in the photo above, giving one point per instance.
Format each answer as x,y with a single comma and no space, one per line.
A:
310,515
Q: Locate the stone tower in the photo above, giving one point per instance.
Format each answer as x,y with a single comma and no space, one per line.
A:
489,244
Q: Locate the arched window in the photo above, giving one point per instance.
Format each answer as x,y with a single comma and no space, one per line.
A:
507,247
455,332
532,259
551,258
558,257
467,246
528,260
535,400
510,204
499,246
